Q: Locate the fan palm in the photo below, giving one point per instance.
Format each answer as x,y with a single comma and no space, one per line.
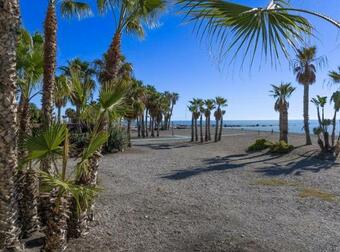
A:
174,98
209,106
52,143
237,28
68,8
9,23
130,17
281,93
196,114
305,66
192,109
30,70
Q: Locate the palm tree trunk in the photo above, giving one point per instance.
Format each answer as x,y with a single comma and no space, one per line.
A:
196,131
146,123
142,125
138,127
221,129
284,125
305,113
9,28
334,126
192,128
206,129
152,122
59,114
201,128
112,58
209,133
158,126
129,132
50,52
216,130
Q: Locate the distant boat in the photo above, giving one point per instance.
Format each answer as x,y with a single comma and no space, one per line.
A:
181,126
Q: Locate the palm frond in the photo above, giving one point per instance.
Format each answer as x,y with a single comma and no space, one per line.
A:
240,29
70,8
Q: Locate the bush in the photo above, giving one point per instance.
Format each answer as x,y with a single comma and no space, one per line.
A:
259,145
118,140
281,147
78,141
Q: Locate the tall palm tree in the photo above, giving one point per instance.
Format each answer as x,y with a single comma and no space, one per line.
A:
196,114
192,110
241,29
220,103
305,69
130,17
68,8
200,104
209,106
174,99
62,91
281,93
9,23
336,100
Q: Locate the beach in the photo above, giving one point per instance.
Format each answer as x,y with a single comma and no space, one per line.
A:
168,194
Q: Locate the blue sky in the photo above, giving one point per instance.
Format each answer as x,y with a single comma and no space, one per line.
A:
172,58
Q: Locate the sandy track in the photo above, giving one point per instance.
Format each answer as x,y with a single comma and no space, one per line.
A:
178,196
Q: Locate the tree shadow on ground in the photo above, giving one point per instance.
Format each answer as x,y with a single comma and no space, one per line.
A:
276,165
164,146
304,164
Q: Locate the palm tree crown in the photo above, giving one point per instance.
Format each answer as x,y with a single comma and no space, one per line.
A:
281,94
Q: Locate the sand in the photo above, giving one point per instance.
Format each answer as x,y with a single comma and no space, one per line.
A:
171,195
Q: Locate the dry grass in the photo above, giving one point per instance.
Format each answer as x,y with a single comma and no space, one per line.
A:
275,182
316,194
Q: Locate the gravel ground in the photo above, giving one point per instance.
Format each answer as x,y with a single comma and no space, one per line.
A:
172,195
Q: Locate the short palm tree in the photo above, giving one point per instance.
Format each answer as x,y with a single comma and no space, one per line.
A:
281,93
9,23
320,102
194,104
131,17
68,8
174,99
220,103
305,66
209,106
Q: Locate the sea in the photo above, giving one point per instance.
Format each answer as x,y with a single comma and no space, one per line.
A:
294,126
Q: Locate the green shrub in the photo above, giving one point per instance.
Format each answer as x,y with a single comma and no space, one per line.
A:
281,147
260,144
78,141
118,140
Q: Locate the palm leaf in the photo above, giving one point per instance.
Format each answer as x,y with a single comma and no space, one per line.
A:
70,8
240,29
46,143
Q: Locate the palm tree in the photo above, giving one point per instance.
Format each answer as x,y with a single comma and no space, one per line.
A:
62,90
209,106
194,104
305,70
192,110
335,75
68,8
174,99
239,28
321,101
281,94
9,23
30,70
336,100
200,104
220,102
131,17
